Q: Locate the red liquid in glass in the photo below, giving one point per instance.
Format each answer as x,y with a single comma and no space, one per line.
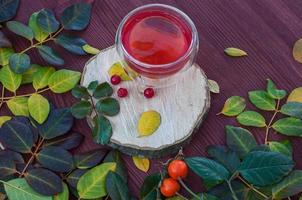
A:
156,38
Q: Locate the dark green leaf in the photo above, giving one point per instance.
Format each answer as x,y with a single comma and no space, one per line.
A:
58,123
102,130
27,76
289,126
7,166
289,186
92,86
39,34
71,43
114,156
63,195
89,159
262,100
20,29
70,141
56,159
16,157
283,147
25,121
16,136
207,169
251,118
261,147
103,90
80,92
233,106
81,109
222,191
202,196
50,55
293,109
209,184
76,16
227,157
47,21
240,140
74,177
262,168
4,42
44,181
149,188
108,106
19,63
116,188
20,166
8,9
273,91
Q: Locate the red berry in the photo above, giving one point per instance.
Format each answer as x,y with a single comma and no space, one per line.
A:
149,93
115,79
122,92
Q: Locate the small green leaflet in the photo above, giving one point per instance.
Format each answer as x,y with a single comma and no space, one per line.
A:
38,107
91,50
63,80
251,118
39,34
233,106
213,86
262,100
273,91
283,147
148,190
293,109
81,109
19,62
235,52
289,126
41,76
20,29
18,106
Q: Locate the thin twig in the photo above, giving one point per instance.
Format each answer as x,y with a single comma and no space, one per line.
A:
2,96
188,189
181,196
25,95
252,187
271,121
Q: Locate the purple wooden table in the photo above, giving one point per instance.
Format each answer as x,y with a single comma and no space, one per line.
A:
266,29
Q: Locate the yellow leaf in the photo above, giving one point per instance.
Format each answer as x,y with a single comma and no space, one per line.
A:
4,119
235,52
18,106
117,69
141,163
295,95
297,51
148,122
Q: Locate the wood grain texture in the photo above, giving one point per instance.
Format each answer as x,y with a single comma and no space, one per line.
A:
266,29
182,107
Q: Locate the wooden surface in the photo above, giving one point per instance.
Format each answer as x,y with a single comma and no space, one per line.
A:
266,29
182,106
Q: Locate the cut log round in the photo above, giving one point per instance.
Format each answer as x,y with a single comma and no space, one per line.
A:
182,106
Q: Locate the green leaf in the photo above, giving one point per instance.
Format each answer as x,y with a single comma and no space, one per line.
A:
289,186
80,92
149,188
289,126
89,159
293,109
92,184
4,119
44,181
18,106
262,168
46,20
115,156
92,86
63,195
4,41
19,62
63,80
20,29
74,177
9,79
224,156
213,86
108,106
91,50
58,123
240,140
76,16
16,136
251,118
233,106
39,34
262,100
7,166
56,159
41,76
102,130
273,91
50,55
38,107
116,187
19,189
68,142
8,9
27,76
284,147
5,54
103,90
222,191
81,109
207,169
234,52
71,43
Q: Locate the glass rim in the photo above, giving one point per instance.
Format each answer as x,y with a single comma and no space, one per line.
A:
188,21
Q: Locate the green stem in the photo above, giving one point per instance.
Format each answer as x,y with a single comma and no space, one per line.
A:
25,95
271,121
252,187
232,191
2,96
184,198
188,189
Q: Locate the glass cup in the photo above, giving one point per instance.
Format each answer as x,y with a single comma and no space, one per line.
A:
158,42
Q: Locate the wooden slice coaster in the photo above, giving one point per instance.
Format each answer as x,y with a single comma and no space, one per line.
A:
182,106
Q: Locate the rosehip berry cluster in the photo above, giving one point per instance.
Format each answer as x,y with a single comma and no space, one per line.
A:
177,170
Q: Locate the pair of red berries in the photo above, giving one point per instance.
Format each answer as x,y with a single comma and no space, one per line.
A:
123,92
